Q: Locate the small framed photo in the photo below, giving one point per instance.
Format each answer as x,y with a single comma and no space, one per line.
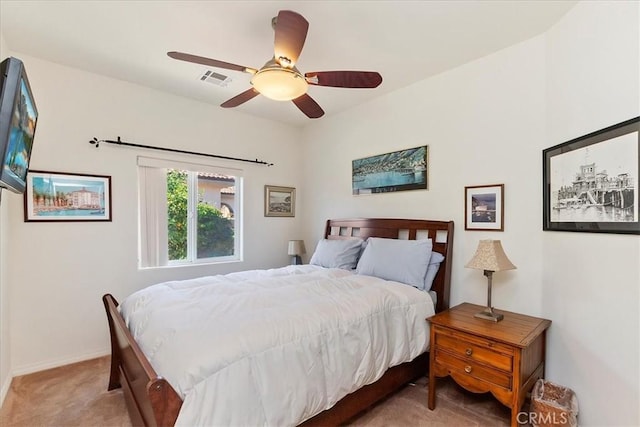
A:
279,201
590,184
484,207
57,196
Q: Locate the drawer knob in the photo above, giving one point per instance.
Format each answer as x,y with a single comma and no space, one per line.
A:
467,369
469,352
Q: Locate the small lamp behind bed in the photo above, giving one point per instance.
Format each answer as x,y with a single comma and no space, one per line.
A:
490,257
296,248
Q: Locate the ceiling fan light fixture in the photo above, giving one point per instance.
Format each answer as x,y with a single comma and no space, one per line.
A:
280,84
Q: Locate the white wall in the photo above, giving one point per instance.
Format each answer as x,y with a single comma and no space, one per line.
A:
6,197
472,119
487,122
5,354
57,272
591,282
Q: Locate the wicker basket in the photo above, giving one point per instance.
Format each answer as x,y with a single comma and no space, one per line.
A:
553,405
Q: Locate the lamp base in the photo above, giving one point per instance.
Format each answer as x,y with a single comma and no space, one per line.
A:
489,314
296,260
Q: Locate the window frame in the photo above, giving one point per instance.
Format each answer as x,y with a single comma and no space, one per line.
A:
151,215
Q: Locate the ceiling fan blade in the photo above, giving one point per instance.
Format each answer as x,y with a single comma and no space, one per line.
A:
308,106
241,98
210,62
290,33
348,79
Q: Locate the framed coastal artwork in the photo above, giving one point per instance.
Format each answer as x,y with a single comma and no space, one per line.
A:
396,171
590,184
57,196
279,201
484,207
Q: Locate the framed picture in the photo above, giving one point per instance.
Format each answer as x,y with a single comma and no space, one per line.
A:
56,196
279,201
484,207
590,184
396,171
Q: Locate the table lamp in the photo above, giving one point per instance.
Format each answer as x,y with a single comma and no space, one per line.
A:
490,257
296,248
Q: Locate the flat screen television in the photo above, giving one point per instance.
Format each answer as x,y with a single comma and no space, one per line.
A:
18,117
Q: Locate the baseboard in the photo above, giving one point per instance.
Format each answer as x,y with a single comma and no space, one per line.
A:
5,389
30,369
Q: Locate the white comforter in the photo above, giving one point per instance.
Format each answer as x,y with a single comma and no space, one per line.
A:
275,347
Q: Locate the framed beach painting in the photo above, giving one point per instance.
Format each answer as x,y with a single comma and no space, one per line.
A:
483,207
590,184
57,196
279,201
396,171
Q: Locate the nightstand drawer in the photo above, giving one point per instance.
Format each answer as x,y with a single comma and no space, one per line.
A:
472,369
473,349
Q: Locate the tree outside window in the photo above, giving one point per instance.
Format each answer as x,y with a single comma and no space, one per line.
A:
213,232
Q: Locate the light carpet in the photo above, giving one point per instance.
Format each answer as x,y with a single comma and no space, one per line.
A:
76,395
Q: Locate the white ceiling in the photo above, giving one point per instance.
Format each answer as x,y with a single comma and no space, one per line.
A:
405,41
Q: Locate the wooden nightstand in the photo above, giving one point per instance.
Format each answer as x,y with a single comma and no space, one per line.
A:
504,358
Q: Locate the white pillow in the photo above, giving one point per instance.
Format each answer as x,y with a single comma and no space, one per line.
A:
337,253
432,270
402,261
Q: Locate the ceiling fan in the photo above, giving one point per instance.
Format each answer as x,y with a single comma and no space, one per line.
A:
279,79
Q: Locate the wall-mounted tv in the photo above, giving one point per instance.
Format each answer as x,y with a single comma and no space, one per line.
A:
18,117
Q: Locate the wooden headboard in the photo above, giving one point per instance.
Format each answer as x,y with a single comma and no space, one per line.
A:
440,232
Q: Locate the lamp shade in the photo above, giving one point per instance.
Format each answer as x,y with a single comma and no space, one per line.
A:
296,247
490,256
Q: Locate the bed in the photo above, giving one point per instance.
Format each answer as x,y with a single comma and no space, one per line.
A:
151,399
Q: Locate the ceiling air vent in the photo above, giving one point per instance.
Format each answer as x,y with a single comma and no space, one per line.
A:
215,78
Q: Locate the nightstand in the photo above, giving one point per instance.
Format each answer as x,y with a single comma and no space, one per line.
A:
504,358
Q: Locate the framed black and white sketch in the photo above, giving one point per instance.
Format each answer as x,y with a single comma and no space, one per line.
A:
590,184
483,207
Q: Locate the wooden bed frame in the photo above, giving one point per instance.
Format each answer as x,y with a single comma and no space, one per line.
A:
151,401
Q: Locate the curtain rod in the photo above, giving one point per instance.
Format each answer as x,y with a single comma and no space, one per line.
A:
97,142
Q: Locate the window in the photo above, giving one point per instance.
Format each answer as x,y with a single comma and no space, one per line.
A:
188,213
